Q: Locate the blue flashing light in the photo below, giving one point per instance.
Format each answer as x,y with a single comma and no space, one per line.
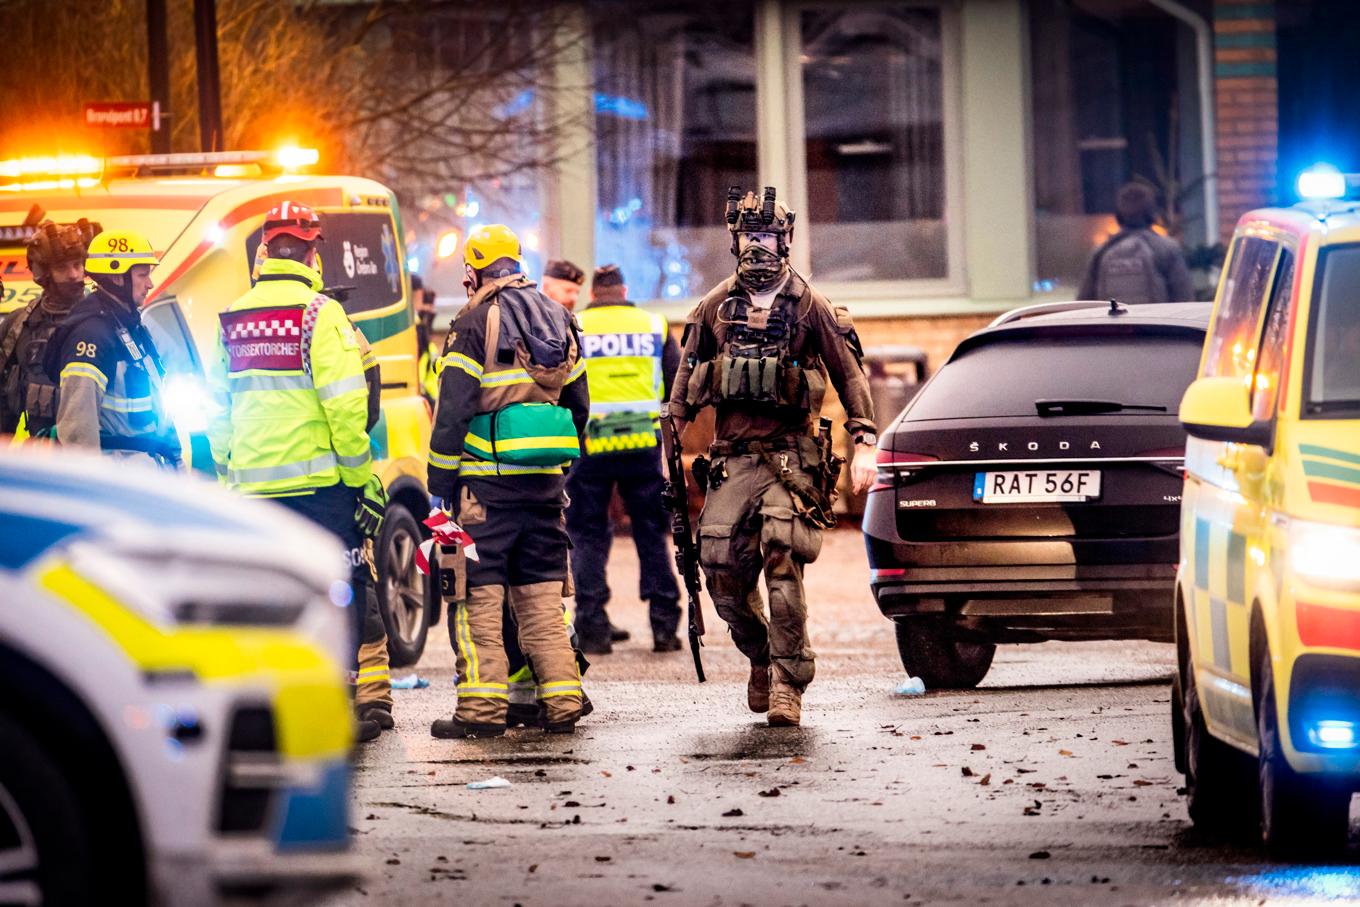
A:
413,264
1333,735
1322,181
341,594
621,107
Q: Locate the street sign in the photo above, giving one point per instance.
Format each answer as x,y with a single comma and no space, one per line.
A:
123,115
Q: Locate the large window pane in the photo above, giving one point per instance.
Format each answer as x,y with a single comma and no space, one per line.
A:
1334,345
874,99
675,121
1233,335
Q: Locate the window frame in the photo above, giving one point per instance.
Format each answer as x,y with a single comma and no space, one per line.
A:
1285,256
781,80
1305,394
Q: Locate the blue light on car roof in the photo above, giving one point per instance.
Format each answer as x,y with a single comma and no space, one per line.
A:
1322,181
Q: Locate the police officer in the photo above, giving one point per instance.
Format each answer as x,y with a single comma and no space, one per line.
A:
759,348
630,359
289,377
56,258
106,366
562,282
513,400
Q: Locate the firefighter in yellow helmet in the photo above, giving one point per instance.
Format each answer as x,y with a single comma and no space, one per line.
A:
513,402
292,426
108,372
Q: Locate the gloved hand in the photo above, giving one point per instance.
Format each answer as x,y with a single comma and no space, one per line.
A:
447,503
372,506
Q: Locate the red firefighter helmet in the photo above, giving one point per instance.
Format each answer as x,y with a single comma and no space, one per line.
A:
292,219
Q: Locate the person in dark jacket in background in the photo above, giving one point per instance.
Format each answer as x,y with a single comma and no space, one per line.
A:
1137,265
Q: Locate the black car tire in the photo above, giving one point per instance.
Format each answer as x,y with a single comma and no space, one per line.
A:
1218,778
44,838
1302,818
931,649
402,593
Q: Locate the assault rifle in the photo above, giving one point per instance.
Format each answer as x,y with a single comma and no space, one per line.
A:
676,498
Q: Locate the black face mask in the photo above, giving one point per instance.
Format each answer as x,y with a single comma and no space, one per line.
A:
759,270
66,291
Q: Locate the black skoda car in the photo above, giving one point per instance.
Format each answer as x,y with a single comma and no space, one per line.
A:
1032,489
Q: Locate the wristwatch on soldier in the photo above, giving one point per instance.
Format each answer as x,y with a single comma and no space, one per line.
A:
867,438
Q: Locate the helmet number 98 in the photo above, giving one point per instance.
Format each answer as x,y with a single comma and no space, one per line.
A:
119,244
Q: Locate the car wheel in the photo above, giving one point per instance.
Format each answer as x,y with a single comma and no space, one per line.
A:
931,650
1218,778
44,853
401,587
1301,817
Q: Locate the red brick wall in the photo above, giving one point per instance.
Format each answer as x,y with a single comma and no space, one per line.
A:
1246,107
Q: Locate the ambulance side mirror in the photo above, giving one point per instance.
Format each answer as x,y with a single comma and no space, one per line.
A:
1219,409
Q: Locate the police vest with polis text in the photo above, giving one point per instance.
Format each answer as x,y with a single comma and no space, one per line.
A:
623,347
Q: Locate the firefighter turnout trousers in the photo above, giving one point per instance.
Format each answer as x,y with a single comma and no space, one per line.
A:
748,527
332,508
522,562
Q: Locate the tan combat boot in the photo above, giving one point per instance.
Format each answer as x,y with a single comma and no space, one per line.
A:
758,688
786,706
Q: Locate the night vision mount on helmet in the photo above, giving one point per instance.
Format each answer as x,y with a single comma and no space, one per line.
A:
747,214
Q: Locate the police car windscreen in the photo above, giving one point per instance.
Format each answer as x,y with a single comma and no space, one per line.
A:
1006,377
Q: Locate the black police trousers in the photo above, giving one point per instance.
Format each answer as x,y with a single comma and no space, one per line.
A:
590,486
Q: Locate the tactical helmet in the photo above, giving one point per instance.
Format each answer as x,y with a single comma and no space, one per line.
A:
53,243
748,214
116,251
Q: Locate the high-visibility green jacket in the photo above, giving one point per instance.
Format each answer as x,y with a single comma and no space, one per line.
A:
288,376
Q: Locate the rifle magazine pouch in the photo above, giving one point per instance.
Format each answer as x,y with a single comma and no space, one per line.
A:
699,392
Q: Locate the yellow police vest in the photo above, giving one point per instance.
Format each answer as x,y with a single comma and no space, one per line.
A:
622,346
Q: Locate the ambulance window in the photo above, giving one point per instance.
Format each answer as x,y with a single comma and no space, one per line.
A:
1333,372
1232,338
360,259
1270,359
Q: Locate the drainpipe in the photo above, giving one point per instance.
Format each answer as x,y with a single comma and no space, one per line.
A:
1204,51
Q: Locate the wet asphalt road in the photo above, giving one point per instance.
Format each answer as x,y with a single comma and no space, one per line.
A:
1053,783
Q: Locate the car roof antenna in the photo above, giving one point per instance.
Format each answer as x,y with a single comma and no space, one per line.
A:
1117,309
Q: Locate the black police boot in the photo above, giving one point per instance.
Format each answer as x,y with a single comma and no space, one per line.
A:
366,730
596,645
523,714
453,729
666,642
379,713
619,634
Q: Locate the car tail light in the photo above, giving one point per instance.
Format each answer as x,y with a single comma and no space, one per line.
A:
1172,459
892,463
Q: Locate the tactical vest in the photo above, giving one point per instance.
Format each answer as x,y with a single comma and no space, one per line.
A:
753,357
27,388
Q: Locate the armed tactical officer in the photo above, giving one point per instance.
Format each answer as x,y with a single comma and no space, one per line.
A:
513,402
108,371
289,377
56,258
759,348
630,358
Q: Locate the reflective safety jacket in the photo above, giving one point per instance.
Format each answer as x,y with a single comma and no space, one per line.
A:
109,381
288,378
630,357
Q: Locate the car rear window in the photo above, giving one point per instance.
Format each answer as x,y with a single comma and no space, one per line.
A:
1005,377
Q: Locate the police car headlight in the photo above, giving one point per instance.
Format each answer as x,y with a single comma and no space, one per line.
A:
188,402
1325,555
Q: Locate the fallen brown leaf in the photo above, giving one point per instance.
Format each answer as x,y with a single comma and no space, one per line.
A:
744,854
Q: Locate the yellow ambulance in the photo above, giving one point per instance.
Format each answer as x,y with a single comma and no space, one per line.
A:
203,214
1266,701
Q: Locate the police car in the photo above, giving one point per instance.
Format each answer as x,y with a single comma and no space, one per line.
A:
203,214
175,723
1266,704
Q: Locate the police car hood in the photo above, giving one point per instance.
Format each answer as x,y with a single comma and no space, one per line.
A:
51,499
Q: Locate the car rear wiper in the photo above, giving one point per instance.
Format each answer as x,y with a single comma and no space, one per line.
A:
1089,407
